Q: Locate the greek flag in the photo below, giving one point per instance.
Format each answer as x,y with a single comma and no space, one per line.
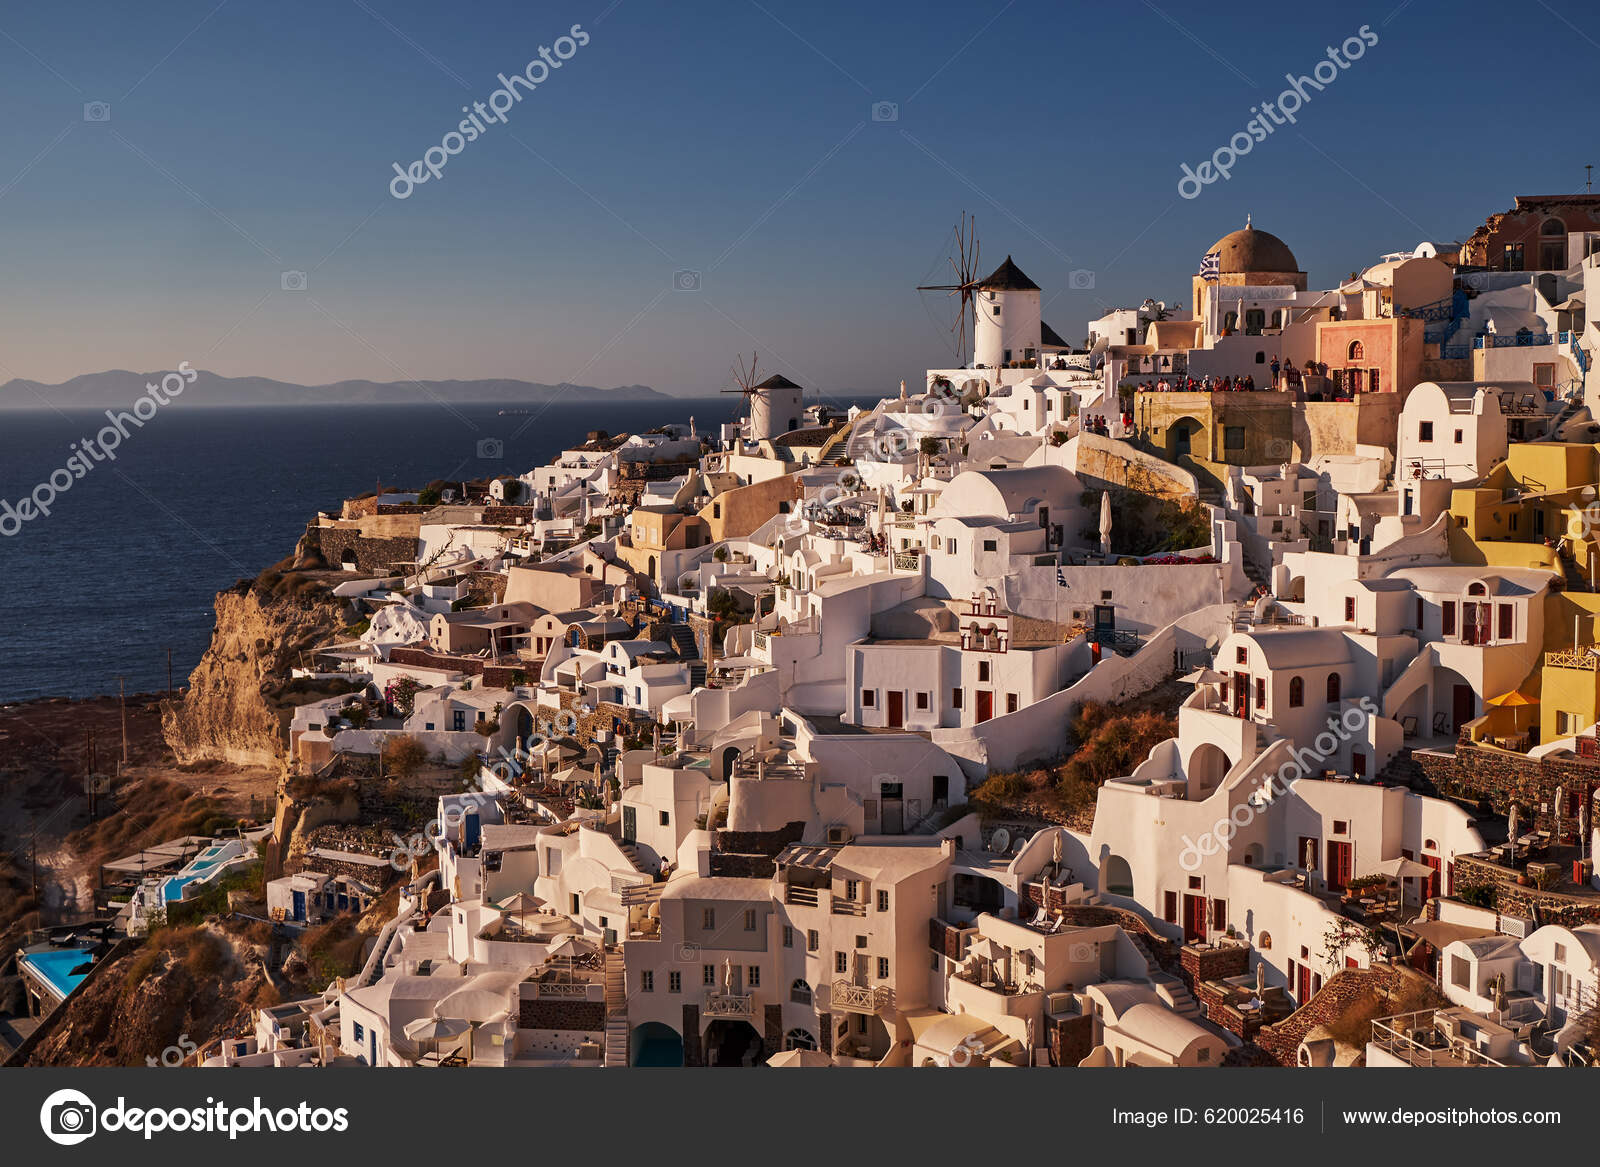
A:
1061,577
1211,266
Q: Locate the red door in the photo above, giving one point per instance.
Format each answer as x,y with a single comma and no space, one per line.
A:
1194,917
1437,864
1463,703
897,708
1303,989
1241,694
1339,870
985,704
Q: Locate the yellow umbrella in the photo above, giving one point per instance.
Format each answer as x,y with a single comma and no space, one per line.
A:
1513,698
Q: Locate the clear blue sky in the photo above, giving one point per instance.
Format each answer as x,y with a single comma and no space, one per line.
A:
735,139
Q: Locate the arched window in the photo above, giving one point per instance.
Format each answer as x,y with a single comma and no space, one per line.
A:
1553,227
1477,589
800,992
1230,321
1265,942
1277,318
1429,845
1297,692
799,1039
1333,687
1357,351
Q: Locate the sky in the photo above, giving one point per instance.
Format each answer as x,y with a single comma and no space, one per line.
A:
700,180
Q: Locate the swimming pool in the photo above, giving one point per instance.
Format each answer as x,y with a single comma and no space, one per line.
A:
54,966
172,889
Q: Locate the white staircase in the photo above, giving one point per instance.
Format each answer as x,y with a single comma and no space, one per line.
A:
616,1010
1176,993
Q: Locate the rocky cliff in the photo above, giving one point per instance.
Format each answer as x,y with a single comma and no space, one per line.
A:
236,707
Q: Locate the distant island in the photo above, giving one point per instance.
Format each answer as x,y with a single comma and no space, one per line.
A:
117,388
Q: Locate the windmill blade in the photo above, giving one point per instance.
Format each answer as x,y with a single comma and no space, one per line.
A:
744,378
963,263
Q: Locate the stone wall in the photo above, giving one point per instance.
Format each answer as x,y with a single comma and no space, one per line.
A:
767,843
1213,964
1517,899
694,1053
371,554
1071,1039
585,1016
1347,987
1477,774
494,676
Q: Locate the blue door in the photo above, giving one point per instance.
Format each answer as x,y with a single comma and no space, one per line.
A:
299,905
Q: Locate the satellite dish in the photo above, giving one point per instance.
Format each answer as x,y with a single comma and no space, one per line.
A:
999,841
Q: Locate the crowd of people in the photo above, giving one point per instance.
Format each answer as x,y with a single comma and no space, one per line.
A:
1206,384
1284,376
1097,424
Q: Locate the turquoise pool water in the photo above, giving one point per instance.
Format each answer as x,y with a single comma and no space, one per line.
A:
172,890
54,966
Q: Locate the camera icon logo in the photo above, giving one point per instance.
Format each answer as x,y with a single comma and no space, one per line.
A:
1080,280
689,953
293,281
97,111
885,111
491,448
68,1117
964,1053
686,281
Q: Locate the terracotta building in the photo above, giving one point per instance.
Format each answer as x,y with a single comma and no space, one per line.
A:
1532,235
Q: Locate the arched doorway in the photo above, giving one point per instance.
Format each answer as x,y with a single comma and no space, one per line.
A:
732,1042
1186,437
655,1044
1208,765
1116,878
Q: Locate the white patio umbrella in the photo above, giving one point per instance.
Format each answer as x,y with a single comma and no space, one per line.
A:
1105,523
435,1028
1403,868
569,948
986,950
522,903
431,1031
802,1058
1511,824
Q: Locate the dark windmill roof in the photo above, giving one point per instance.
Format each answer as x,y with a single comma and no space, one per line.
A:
777,381
1050,338
1008,277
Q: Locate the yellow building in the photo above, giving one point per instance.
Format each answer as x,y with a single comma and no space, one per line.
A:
1535,509
1569,700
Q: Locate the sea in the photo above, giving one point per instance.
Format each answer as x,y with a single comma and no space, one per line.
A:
125,566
